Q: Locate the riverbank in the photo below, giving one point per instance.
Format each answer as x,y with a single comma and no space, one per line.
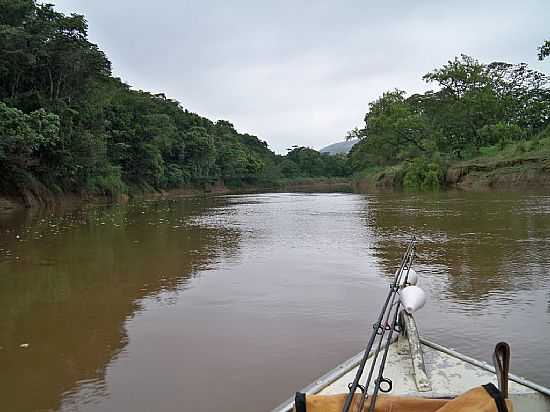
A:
321,184
45,198
521,173
503,171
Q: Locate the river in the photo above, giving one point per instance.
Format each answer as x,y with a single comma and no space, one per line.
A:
232,303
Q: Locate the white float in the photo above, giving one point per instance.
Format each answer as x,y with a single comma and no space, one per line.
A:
412,279
412,298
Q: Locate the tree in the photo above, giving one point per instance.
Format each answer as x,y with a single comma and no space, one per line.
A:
67,123
544,50
308,161
523,95
459,76
200,154
26,140
475,105
395,130
46,55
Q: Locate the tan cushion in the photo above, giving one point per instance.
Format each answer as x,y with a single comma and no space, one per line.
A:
475,400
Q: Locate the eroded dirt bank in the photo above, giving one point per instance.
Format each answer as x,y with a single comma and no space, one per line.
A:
517,174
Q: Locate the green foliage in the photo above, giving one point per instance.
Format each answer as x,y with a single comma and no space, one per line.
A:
544,50
544,134
45,59
478,109
500,133
174,176
396,130
490,150
108,183
26,138
67,123
200,151
290,168
303,162
420,174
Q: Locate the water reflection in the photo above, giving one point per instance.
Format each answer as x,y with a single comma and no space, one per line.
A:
483,260
472,245
69,282
188,304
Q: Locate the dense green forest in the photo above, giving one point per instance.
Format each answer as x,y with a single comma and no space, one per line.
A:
68,125
496,110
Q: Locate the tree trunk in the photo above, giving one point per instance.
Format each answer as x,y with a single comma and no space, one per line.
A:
59,83
51,83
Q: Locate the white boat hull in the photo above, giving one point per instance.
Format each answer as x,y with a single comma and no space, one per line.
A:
449,372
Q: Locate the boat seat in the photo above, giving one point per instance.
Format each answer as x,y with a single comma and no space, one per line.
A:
485,398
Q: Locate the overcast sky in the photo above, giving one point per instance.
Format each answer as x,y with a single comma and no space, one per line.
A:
303,73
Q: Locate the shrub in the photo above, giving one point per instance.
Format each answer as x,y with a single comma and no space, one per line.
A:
523,146
500,133
421,174
489,150
174,176
108,183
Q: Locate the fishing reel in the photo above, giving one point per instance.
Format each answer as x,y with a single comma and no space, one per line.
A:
388,385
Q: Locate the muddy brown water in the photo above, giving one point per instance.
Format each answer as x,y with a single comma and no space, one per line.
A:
234,302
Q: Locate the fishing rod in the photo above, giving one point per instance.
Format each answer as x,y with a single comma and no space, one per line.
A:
380,378
381,326
381,329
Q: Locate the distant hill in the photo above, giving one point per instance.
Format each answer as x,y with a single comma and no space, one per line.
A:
339,148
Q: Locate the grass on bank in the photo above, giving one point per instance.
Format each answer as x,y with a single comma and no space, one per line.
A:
431,174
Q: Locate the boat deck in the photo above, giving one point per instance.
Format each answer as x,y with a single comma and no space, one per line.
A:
449,374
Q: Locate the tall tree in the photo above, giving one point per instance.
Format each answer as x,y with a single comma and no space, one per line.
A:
544,50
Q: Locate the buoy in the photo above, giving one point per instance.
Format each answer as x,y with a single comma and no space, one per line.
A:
412,298
412,279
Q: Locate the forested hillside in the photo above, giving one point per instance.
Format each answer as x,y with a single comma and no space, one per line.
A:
478,112
67,125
